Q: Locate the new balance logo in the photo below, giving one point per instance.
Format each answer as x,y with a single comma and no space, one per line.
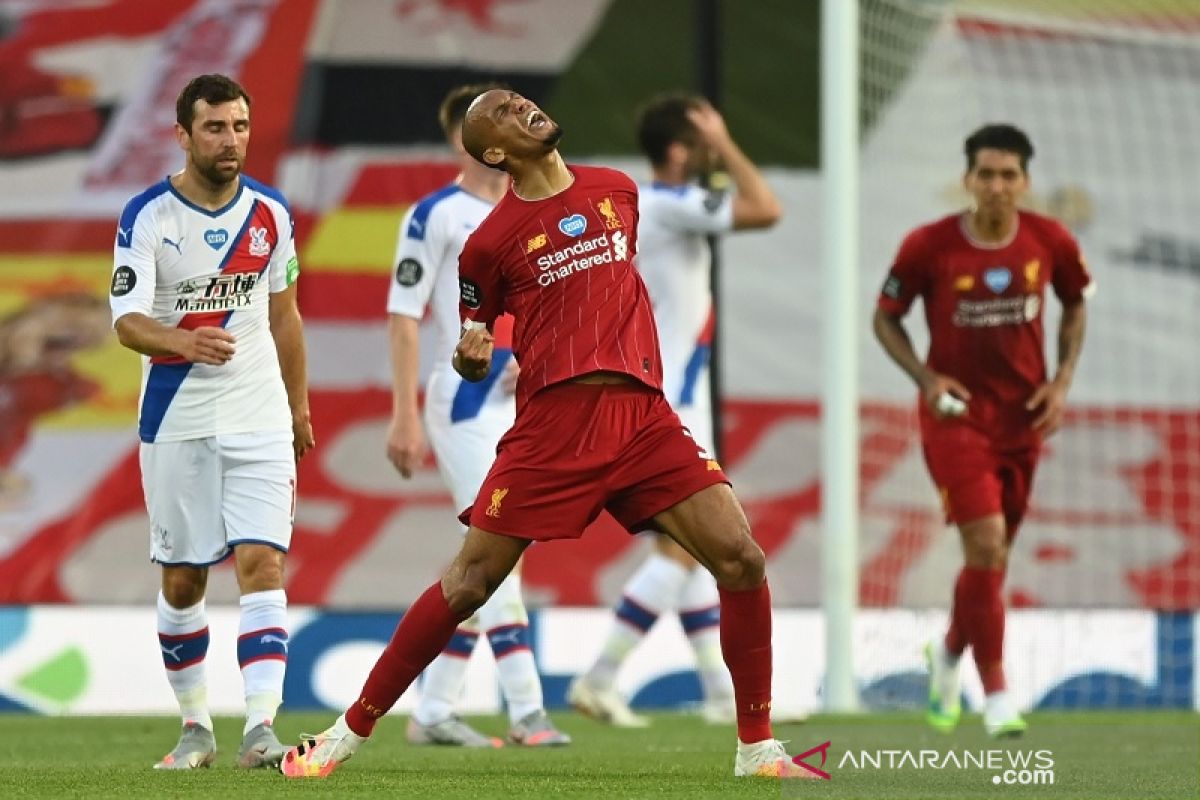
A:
270,637
173,652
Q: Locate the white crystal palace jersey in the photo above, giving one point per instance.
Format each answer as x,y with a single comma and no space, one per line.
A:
188,267
432,235
675,262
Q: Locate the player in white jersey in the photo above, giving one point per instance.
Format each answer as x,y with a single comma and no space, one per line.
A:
465,421
204,287
684,137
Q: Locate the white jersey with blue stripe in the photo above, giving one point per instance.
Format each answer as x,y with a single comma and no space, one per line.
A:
188,267
674,261
432,234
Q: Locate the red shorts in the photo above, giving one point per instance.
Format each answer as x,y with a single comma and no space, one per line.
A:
974,477
577,449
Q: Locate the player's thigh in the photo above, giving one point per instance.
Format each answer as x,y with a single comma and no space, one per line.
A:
965,471
1017,470
465,452
712,526
182,485
258,500
660,467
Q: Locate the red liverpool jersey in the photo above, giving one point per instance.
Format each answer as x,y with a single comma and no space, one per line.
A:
983,305
563,267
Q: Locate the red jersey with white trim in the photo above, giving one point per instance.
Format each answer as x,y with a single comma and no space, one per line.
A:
563,267
983,305
185,266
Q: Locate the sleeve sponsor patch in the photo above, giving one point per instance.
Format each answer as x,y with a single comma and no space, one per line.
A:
469,291
892,287
293,270
409,272
713,200
123,281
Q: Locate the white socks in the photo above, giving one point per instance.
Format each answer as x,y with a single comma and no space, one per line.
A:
442,682
183,640
262,651
654,589
506,622
700,616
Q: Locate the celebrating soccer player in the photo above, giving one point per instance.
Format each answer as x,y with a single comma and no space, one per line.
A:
204,287
465,422
684,137
986,403
593,430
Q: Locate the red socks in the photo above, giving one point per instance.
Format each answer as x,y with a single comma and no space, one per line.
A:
977,619
746,645
422,633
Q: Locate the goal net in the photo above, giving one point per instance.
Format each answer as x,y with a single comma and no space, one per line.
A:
1108,560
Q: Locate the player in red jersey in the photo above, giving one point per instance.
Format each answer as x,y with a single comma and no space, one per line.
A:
986,402
593,430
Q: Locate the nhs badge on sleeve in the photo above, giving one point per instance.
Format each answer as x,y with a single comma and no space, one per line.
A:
573,225
216,238
997,278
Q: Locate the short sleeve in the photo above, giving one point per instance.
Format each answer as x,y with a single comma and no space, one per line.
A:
480,284
907,278
284,269
419,250
1071,280
691,209
134,277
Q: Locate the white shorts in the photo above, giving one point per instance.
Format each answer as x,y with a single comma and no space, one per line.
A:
465,450
207,495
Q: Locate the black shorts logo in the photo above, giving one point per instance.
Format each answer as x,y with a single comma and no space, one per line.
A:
123,281
469,291
409,272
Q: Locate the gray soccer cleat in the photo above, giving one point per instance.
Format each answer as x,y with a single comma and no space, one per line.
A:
536,730
260,748
197,748
451,731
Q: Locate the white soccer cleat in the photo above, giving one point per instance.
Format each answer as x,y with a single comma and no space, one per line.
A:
945,687
1001,718
767,759
317,756
603,705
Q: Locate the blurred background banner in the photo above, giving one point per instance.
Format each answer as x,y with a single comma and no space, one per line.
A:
345,95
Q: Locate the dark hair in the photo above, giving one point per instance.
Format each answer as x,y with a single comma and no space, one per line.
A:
454,106
999,136
212,89
662,121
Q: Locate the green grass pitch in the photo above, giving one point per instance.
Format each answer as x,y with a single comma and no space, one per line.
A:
1096,755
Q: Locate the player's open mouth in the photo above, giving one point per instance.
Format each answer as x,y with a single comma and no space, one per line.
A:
535,120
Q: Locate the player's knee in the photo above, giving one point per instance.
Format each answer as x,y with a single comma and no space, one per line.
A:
466,592
740,566
183,588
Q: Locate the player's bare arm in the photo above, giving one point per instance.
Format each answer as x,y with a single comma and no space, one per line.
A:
473,357
890,332
208,345
406,445
287,330
754,204
1051,397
